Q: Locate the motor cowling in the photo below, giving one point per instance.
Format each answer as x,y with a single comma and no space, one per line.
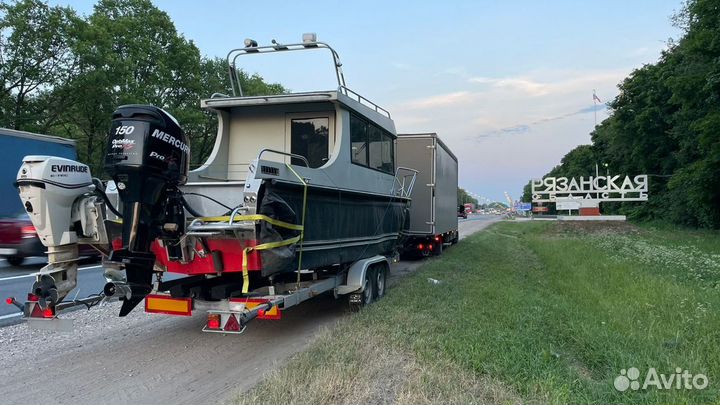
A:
148,157
48,186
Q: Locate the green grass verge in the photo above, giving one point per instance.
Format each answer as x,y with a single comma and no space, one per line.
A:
527,312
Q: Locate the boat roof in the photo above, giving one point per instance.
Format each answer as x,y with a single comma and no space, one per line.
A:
32,135
343,96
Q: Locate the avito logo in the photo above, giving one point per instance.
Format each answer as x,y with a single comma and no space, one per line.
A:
680,380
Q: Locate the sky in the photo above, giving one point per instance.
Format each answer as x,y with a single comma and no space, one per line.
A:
506,84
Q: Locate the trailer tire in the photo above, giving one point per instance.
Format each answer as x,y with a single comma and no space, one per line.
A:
380,280
367,294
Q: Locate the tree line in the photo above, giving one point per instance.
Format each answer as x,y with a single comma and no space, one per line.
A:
64,74
666,123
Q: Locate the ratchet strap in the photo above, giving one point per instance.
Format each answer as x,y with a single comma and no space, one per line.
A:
269,245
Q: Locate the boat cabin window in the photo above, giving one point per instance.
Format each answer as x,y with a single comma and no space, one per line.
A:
358,140
309,137
371,146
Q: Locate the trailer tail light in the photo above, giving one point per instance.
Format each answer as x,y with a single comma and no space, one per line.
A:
32,297
48,312
28,231
420,246
213,321
9,300
163,304
437,239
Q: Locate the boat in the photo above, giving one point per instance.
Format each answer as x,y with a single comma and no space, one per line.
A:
294,181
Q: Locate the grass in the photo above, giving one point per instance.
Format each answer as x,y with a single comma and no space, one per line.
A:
526,313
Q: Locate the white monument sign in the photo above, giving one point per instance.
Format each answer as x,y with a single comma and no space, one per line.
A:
595,189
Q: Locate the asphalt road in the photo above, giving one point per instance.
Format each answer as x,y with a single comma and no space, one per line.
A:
148,358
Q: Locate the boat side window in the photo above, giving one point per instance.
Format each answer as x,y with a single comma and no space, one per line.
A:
309,138
371,146
358,140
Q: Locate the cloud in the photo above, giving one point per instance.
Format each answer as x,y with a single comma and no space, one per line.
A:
525,128
553,84
401,66
513,130
523,85
441,100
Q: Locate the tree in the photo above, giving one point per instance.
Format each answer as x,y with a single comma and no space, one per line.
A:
464,197
36,56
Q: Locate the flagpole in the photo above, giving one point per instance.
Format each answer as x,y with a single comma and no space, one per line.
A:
595,106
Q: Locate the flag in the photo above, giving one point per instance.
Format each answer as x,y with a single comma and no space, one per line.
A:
596,98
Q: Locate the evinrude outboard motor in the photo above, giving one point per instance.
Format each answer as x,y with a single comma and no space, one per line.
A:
148,157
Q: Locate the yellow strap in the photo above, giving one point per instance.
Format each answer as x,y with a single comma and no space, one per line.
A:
269,245
257,217
264,246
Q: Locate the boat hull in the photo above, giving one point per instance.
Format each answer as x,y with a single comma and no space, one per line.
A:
341,226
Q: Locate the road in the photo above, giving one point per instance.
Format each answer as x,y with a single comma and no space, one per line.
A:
147,358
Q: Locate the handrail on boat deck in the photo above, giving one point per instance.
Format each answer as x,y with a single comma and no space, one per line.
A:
301,157
405,187
364,101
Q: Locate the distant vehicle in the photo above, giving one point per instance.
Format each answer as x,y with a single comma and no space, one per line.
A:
469,208
432,223
15,145
19,240
461,212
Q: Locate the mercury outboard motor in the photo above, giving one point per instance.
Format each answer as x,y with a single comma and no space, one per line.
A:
148,157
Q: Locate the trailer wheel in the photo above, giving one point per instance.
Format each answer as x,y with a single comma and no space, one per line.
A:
380,280
365,298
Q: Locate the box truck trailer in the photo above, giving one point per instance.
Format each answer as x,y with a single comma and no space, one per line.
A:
433,210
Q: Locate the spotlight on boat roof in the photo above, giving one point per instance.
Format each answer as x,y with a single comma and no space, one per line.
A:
250,43
309,38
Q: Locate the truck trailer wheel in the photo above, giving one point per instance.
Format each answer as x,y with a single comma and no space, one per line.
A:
380,280
365,298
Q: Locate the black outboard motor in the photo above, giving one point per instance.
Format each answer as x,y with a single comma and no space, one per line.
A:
148,156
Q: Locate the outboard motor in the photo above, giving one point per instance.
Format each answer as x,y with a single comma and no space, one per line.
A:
148,157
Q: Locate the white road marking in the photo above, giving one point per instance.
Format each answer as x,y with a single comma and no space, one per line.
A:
35,274
3,317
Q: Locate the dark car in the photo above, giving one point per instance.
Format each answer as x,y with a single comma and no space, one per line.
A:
18,240
461,212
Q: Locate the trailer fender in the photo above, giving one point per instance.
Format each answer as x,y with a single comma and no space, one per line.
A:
356,274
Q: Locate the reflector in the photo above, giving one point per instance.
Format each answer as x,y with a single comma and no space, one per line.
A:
232,324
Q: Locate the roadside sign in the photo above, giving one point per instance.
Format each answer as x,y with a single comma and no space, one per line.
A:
524,206
540,209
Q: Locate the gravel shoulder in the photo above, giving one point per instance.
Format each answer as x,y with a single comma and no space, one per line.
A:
145,358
